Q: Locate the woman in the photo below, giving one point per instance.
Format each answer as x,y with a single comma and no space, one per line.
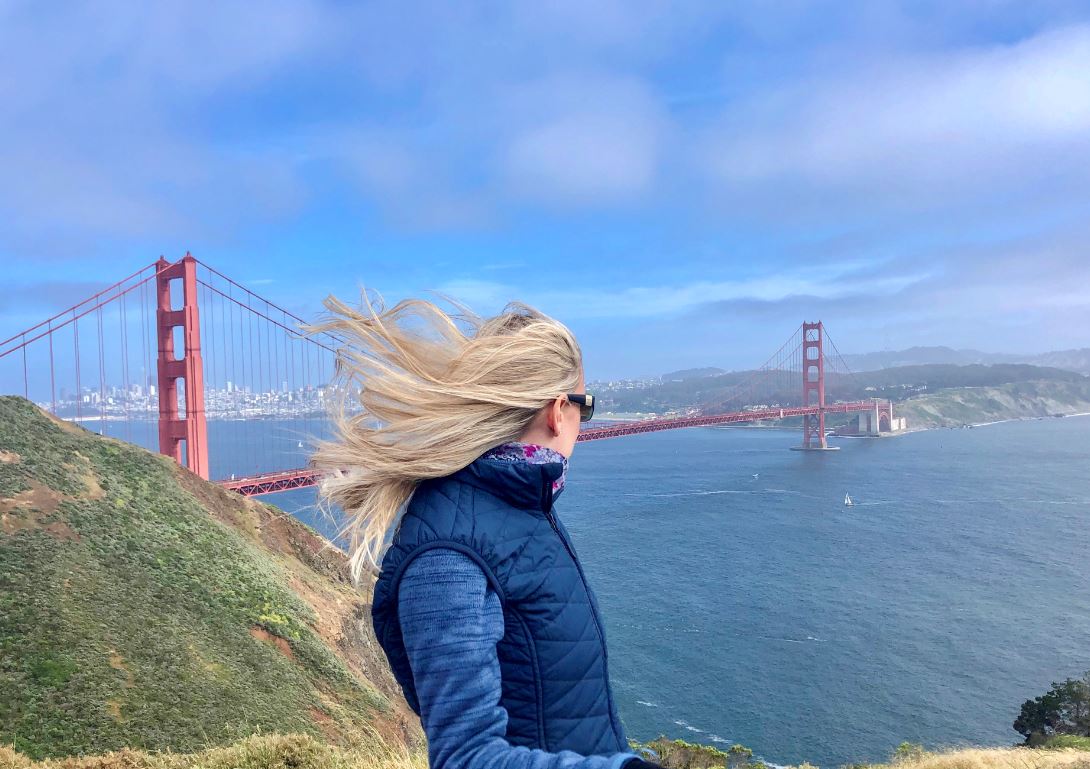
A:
481,604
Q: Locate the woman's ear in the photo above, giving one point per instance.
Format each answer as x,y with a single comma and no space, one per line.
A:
554,417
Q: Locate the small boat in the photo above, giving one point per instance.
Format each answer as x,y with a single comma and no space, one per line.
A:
848,500
300,444
756,476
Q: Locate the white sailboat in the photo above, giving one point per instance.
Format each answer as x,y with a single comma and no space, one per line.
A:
848,500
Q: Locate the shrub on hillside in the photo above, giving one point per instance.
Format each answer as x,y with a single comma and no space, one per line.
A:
1062,710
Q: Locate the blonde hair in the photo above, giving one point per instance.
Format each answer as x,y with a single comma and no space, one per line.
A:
431,391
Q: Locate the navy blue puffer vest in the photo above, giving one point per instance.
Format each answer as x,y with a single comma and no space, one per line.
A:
553,654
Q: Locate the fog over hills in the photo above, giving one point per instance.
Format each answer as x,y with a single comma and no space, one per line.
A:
1071,360
1077,360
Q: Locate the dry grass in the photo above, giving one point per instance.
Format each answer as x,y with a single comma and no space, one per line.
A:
304,752
259,752
995,758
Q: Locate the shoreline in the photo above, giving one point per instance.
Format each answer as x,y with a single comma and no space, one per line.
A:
96,418
970,425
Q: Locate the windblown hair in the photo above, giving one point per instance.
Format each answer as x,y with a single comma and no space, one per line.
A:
430,391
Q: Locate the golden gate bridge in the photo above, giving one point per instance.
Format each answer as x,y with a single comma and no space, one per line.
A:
219,349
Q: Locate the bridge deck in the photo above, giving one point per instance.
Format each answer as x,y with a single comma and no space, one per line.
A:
269,483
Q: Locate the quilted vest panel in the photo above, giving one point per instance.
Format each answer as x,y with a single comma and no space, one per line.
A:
553,655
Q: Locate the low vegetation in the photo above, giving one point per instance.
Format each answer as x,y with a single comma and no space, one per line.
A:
296,751
1058,718
142,607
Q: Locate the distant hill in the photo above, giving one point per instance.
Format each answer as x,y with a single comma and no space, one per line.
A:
717,392
1071,360
141,606
691,373
941,375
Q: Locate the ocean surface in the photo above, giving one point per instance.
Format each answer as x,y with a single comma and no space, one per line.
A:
743,602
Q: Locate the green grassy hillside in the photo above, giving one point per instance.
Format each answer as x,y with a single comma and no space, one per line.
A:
142,607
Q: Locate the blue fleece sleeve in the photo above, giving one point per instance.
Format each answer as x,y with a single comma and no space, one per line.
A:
451,621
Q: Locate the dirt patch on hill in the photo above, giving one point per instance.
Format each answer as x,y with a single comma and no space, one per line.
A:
117,662
37,498
33,509
93,488
262,634
325,722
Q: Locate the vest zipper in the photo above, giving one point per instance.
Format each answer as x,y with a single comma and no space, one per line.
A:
594,614
582,576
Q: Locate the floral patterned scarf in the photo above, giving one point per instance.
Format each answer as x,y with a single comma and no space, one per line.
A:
513,451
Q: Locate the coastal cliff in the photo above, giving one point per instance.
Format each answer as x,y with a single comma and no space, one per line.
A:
954,407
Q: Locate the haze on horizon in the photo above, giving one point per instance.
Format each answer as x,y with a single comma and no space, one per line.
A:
682,185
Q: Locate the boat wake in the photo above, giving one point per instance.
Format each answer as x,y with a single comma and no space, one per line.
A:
712,492
689,493
782,639
708,735
667,628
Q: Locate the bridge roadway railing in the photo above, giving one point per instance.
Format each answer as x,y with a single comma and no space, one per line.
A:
710,420
269,483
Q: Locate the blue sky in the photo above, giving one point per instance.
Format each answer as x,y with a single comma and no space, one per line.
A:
680,183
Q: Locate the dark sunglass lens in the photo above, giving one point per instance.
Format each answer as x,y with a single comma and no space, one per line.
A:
586,405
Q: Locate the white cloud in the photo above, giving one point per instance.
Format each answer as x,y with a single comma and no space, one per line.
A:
579,159
578,140
646,301
937,123
482,296
411,186
103,121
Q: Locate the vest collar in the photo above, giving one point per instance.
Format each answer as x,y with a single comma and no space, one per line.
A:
525,485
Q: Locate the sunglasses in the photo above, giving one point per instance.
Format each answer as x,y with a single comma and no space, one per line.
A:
586,405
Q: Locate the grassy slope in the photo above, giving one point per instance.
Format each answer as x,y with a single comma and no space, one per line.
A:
143,607
955,407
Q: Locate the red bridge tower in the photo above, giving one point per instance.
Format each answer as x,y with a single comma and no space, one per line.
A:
813,386
189,427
